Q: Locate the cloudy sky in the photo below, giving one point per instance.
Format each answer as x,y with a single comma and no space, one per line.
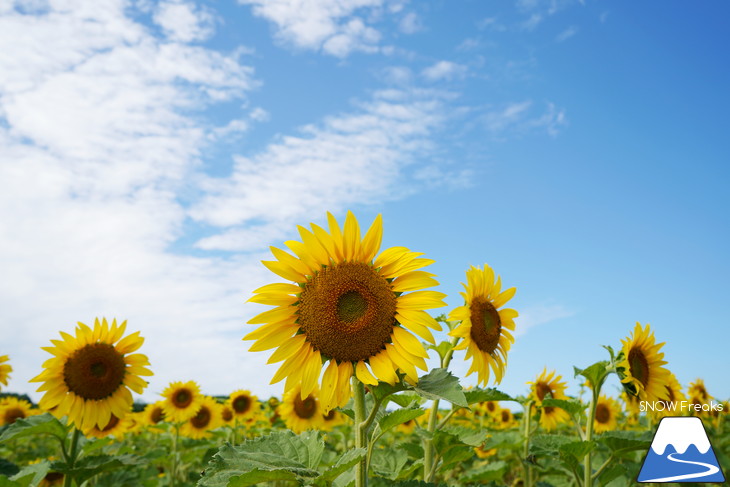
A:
150,152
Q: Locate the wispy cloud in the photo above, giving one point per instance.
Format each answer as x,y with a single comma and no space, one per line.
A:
332,26
410,23
566,34
444,70
184,21
520,117
540,314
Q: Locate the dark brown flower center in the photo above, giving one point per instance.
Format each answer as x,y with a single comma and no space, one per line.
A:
241,404
227,414
347,311
491,406
330,416
486,325
182,398
542,389
13,414
113,421
306,408
94,371
156,415
639,366
506,416
603,413
202,419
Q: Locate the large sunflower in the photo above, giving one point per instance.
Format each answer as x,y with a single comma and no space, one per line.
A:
5,370
640,365
549,385
207,418
300,413
347,309
484,328
182,401
90,375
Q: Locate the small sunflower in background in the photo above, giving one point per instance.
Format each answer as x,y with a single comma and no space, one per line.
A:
549,385
5,370
182,400
640,365
205,420
485,329
347,311
115,427
484,452
227,414
300,414
153,414
90,375
331,419
607,412
13,409
675,396
243,404
697,390
505,419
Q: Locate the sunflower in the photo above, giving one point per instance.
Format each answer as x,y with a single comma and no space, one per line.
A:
205,420
505,419
348,311
182,401
13,409
154,413
640,365
300,414
332,419
549,384
5,370
52,479
674,399
484,328
116,427
90,375
243,404
227,414
697,390
607,412
484,453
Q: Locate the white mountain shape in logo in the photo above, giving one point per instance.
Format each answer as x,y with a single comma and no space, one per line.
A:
680,433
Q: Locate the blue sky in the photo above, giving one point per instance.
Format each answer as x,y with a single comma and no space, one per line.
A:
150,158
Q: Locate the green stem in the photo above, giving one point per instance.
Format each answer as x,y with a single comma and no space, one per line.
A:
173,469
71,458
358,388
587,469
526,447
603,467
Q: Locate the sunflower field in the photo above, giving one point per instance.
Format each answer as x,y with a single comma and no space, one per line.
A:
352,329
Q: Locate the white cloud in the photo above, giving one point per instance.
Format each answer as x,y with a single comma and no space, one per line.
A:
520,117
184,21
567,34
333,26
410,23
532,22
342,161
444,70
539,314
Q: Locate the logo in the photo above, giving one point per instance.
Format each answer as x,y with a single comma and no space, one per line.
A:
680,452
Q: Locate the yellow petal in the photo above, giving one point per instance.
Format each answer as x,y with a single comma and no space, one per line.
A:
284,271
273,315
287,349
351,238
372,240
408,342
275,339
344,373
364,374
291,261
383,367
310,374
413,281
328,391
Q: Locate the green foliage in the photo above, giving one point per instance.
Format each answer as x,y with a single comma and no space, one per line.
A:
441,384
572,407
399,416
42,424
482,395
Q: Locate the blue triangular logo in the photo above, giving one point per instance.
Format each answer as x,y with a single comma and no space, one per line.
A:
680,452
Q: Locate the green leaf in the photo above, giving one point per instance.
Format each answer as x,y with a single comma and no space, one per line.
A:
550,444
31,474
7,468
625,441
389,462
572,406
383,389
88,467
503,439
577,449
442,349
399,416
344,463
283,450
406,399
467,436
492,471
595,373
474,396
6,482
257,476
441,384
611,473
450,448
42,424
376,482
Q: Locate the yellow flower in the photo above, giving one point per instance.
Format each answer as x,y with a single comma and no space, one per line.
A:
697,390
115,427
300,414
348,311
640,365
90,375
332,419
182,401
13,409
5,370
505,419
484,453
227,414
549,385
673,403
485,329
153,413
607,412
243,404
207,418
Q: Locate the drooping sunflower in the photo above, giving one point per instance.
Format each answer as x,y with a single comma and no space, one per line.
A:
640,365
485,329
13,409
205,420
673,402
5,370
347,308
300,414
90,375
549,385
697,390
243,404
182,401
607,412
